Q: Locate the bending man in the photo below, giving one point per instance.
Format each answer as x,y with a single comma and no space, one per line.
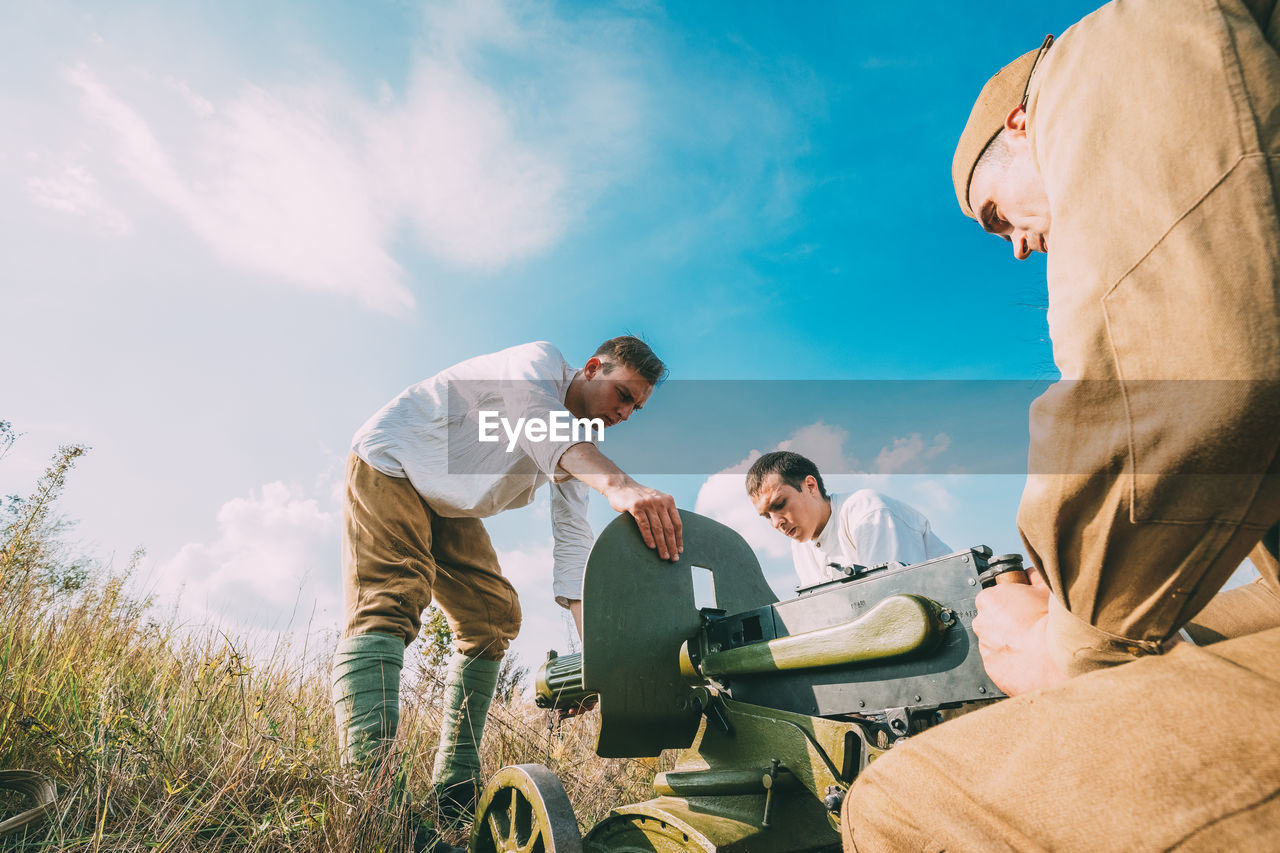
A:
476,439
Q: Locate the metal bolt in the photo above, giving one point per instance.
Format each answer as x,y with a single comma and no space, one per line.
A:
973,582
917,698
964,559
982,690
861,704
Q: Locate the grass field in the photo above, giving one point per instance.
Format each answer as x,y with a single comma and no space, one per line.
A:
161,738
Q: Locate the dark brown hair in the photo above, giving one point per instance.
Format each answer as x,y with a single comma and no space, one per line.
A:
791,468
630,351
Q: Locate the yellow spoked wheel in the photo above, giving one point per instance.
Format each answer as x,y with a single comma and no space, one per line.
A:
638,833
524,809
38,789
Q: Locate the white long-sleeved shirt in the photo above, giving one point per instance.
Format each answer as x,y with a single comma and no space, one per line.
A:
866,528
430,433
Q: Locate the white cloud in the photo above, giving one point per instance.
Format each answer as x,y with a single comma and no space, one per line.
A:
273,571
909,455
933,498
450,156
73,190
509,124
268,186
201,107
529,568
273,565
824,444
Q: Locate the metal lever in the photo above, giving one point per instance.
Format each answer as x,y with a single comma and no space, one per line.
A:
768,780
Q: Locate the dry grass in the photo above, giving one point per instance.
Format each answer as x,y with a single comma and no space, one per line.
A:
164,740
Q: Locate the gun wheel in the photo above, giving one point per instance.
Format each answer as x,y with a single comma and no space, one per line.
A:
37,788
524,809
637,833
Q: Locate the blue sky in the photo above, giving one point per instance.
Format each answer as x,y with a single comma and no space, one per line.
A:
233,231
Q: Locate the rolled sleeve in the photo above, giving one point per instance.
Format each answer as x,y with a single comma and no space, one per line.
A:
1078,647
573,539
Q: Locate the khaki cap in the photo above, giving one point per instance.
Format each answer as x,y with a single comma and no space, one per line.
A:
1001,94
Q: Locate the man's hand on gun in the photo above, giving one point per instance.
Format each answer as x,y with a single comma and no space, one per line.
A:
654,511
1011,625
655,514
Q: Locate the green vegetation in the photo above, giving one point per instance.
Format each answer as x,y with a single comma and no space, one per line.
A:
164,739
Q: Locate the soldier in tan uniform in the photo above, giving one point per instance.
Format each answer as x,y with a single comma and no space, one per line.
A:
1141,152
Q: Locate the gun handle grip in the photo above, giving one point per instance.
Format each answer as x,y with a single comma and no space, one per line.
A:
1013,576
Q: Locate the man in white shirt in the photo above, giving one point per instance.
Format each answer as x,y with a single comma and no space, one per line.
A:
863,528
476,439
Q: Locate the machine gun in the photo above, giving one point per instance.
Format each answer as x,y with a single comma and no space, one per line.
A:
777,704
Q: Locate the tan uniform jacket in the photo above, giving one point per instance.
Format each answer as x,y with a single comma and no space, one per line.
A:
1156,126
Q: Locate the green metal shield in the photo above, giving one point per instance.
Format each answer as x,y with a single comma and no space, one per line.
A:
637,611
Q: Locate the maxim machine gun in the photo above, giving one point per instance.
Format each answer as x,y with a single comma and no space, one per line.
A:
777,704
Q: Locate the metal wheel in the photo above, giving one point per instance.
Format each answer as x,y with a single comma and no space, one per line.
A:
524,809
38,788
637,833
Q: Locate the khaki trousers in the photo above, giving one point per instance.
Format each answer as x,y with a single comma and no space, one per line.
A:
1246,609
397,553
1176,752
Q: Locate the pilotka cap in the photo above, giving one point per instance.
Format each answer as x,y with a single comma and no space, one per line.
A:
1000,95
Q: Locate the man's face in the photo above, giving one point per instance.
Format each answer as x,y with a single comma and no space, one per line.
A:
799,514
612,397
1009,197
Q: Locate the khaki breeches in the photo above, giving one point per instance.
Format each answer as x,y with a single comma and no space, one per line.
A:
1175,752
397,553
1243,610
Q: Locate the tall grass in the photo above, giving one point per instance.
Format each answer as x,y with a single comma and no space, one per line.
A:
164,739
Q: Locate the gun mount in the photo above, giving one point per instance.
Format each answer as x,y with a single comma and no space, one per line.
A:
777,704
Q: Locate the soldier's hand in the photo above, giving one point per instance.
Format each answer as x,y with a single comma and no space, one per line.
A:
1012,625
656,516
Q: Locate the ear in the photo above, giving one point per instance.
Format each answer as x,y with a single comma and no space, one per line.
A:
592,367
1016,120
811,484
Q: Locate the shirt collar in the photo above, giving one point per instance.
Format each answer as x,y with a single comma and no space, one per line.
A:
828,538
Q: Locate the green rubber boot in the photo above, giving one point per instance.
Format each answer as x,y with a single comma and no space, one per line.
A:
366,697
468,690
